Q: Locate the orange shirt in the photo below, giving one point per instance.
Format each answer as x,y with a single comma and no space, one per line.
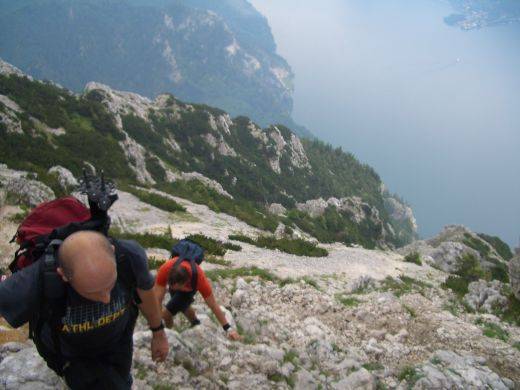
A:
203,285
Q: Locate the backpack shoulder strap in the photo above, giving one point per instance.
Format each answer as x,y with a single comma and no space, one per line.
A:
125,274
52,297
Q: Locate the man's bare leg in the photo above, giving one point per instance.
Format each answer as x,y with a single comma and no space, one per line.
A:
191,316
168,318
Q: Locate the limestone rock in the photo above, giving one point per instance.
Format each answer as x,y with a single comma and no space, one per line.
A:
276,209
305,380
361,379
26,370
449,370
485,296
65,177
22,189
448,254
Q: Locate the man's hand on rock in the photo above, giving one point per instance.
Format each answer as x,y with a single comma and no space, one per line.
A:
233,335
159,346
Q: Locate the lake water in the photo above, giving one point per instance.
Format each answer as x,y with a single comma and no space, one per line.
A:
435,110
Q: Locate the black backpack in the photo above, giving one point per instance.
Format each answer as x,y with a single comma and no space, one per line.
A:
191,252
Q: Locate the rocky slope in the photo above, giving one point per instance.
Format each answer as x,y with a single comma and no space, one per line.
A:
218,53
265,176
357,319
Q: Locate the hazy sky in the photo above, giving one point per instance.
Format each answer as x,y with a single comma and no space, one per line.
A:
435,110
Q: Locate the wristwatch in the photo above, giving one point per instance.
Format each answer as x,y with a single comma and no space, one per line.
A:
226,327
158,328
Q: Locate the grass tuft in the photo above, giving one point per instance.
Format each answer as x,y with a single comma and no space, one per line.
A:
414,258
297,247
492,330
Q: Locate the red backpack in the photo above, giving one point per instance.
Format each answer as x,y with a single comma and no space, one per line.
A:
34,231
59,218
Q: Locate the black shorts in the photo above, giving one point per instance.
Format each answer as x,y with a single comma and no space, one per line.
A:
180,301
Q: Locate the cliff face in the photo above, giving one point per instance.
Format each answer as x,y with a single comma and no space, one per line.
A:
217,53
229,163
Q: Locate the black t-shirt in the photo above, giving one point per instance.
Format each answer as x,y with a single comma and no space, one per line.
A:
87,326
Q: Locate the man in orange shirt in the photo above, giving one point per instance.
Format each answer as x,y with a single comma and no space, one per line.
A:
177,279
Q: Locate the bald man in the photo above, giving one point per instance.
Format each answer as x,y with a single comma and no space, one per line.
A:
91,343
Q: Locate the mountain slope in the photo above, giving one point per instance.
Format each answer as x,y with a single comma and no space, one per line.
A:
218,53
264,176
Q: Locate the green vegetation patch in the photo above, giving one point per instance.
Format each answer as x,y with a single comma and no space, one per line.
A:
291,356
244,210
20,216
347,301
517,345
500,246
413,257
234,273
403,285
498,270
156,200
410,374
373,366
211,246
469,271
492,330
146,240
217,260
297,247
456,284
512,312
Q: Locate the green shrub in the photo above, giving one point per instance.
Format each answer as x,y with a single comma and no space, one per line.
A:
456,284
212,246
373,366
347,301
291,356
216,260
492,330
512,312
403,285
500,246
244,210
234,273
410,375
498,270
156,200
20,216
146,240
413,257
476,244
293,246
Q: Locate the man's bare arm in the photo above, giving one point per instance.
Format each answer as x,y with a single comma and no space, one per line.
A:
221,317
151,310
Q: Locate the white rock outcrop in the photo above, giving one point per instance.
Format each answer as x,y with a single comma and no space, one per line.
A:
65,177
23,368
449,370
486,296
22,189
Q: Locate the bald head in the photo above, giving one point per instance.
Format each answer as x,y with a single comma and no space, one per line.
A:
87,261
